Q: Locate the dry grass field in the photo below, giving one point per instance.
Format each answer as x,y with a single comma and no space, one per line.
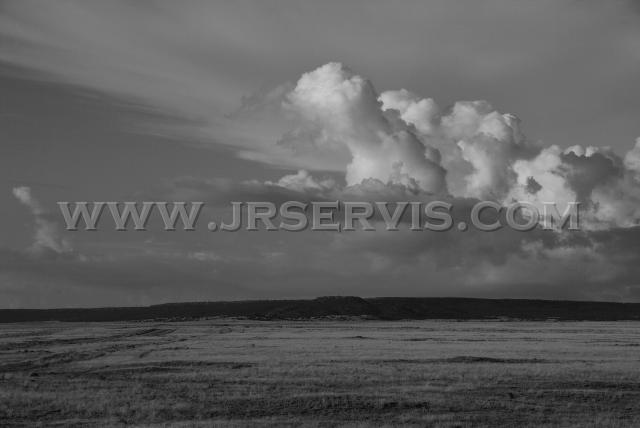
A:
321,373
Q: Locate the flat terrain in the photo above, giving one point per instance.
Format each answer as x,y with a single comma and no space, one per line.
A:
321,373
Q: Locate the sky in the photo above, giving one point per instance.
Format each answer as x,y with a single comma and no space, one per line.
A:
265,100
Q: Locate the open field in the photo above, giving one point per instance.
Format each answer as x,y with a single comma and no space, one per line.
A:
321,373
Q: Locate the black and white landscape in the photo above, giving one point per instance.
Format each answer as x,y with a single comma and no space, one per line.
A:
505,135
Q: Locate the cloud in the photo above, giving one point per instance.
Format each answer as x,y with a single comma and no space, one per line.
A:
396,145
542,179
423,113
219,192
632,159
469,150
345,106
478,143
303,181
47,237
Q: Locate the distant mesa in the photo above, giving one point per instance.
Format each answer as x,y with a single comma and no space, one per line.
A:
346,307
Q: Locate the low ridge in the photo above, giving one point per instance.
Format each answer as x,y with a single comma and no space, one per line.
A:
384,308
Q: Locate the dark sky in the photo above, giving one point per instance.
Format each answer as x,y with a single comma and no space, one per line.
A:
124,100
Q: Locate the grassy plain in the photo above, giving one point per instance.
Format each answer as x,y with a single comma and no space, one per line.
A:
321,373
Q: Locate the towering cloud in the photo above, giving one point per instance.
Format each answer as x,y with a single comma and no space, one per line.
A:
469,150
344,106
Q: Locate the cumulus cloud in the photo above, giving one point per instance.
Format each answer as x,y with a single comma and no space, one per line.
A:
398,146
469,150
601,181
422,113
541,180
345,106
47,237
397,137
477,143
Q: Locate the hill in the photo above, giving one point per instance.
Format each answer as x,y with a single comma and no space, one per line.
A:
382,308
